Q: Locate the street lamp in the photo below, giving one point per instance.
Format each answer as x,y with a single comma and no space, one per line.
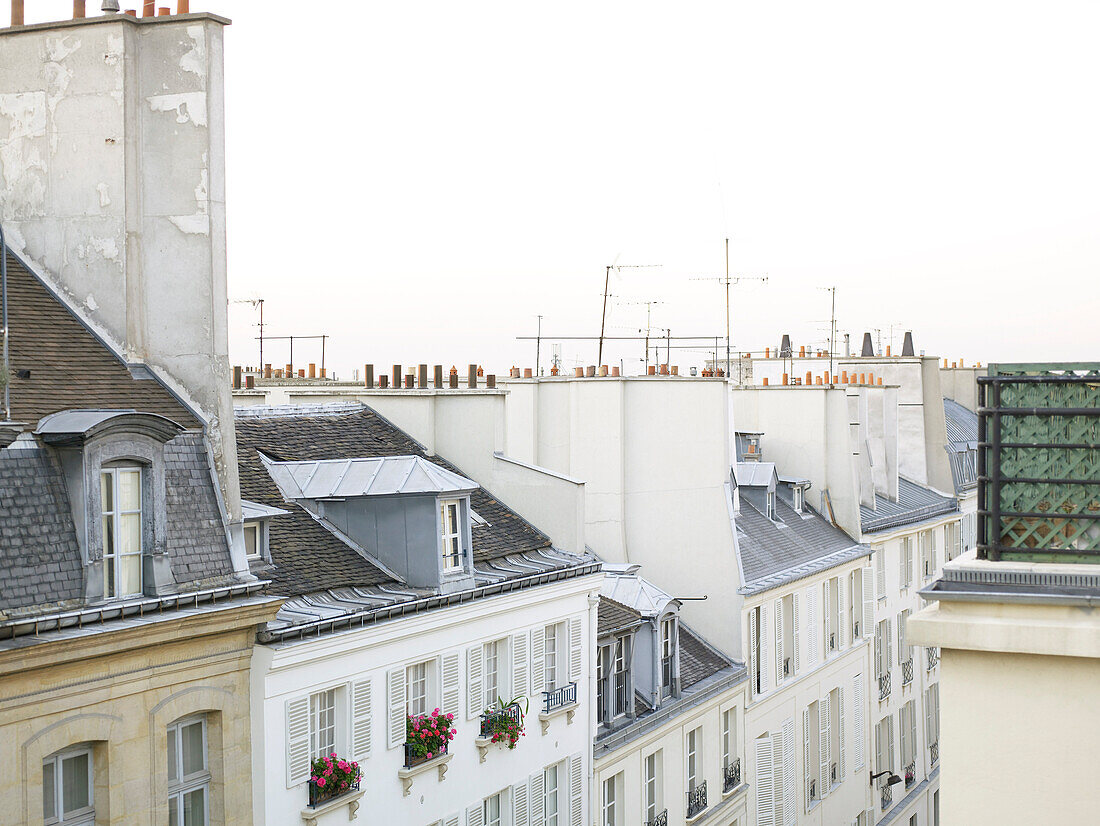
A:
891,781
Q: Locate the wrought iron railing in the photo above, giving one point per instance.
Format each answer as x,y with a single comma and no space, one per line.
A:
907,672
786,667
559,697
489,718
813,788
884,685
910,774
934,752
697,799
832,641
412,759
731,776
319,794
887,797
933,657
658,820
855,630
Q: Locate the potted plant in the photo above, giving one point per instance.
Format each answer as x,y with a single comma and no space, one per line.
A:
331,777
504,722
427,736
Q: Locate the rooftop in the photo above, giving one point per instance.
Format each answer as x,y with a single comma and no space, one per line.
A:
915,503
962,444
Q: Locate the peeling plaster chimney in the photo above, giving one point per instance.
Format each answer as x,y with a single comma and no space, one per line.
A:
114,192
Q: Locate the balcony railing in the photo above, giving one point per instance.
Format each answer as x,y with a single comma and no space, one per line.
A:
910,775
813,788
731,776
786,667
414,760
659,820
884,684
832,641
887,797
934,750
697,799
907,672
319,795
933,657
490,718
560,697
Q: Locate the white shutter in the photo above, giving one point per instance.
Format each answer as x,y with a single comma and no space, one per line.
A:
297,741
908,561
797,636
880,745
452,686
521,670
842,614
475,661
903,733
520,812
888,639
360,720
878,652
538,663
868,603
765,783
901,639
814,623
857,719
890,742
451,820
912,731
789,813
753,664
396,707
576,671
779,653
765,659
576,783
902,580
824,729
880,572
475,815
840,768
929,737
806,769
826,613
537,790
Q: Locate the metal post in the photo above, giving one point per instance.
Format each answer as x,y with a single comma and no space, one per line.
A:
261,333
538,346
727,309
832,331
983,484
323,354
995,470
292,354
4,289
603,317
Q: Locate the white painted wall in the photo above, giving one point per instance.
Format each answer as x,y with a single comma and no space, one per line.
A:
285,671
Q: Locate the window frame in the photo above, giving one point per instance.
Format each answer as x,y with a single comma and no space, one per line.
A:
502,809
113,557
451,560
668,642
183,785
551,793
431,686
499,651
314,729
691,758
610,805
729,737
553,664
620,676
256,526
78,817
652,791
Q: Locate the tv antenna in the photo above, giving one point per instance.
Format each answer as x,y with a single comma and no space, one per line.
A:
606,284
257,302
727,280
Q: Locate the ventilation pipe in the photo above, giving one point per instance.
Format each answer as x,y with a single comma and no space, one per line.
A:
907,345
868,347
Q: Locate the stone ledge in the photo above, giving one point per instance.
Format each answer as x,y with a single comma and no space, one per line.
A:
408,774
351,800
568,710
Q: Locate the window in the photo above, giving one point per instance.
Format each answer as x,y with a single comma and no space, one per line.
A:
322,723
882,649
906,561
836,736
612,814
855,603
613,692
832,615
884,747
120,491
913,821
798,496
905,651
756,643
928,553
907,729
932,719
603,684
419,683
67,788
952,540
729,737
452,535
550,803
786,642
771,504
553,667
812,722
253,548
880,572
188,773
668,655
495,669
652,787
693,738
493,810
936,808
622,676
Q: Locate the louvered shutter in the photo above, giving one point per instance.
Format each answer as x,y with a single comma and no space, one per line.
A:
779,653
576,660
396,708
475,661
928,733
912,731
901,638
753,664
842,614
297,741
520,812
789,813
880,572
360,719
868,603
814,624
451,820
538,664
521,666
807,770
537,791
824,743
797,637
840,769
880,751
889,640
890,742
765,783
452,685
475,815
908,561
576,783
765,659
857,719
878,651
903,733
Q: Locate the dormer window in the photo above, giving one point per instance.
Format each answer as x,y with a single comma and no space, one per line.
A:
798,496
452,535
771,504
120,494
253,548
668,656
613,680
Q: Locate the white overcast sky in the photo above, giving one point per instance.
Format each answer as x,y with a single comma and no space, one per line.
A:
421,180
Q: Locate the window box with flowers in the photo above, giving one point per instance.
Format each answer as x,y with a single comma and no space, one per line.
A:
501,725
426,745
333,783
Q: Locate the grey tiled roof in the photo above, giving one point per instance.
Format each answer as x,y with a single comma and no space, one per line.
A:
962,444
790,547
40,565
197,544
612,617
697,659
915,504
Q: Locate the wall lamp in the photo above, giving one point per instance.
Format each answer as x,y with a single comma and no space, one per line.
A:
891,781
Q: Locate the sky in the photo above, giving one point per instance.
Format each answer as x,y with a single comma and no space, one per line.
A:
421,181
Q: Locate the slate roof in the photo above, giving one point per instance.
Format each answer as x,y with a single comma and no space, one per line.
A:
375,476
69,366
306,557
697,659
792,546
962,444
915,504
754,474
613,617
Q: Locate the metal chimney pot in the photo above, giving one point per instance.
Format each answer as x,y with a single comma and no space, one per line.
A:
109,6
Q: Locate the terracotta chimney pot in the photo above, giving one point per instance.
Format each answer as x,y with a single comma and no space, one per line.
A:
765,381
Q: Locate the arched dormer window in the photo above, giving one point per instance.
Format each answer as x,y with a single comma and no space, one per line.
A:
122,523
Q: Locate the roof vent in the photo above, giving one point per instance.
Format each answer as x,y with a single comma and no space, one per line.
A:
868,347
907,345
785,347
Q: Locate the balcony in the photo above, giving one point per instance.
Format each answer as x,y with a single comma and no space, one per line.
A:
887,797
555,702
697,800
907,672
490,718
731,776
884,685
415,764
319,795
322,802
933,657
413,760
910,775
658,820
934,752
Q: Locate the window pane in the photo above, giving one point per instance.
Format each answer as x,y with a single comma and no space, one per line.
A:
173,811
172,768
74,783
194,756
250,540
49,790
129,490
194,808
108,536
130,574
106,492
129,533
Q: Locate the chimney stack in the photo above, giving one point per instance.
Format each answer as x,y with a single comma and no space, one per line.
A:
422,376
907,345
868,347
785,347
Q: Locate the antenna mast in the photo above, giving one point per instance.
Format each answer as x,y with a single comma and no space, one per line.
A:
606,284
